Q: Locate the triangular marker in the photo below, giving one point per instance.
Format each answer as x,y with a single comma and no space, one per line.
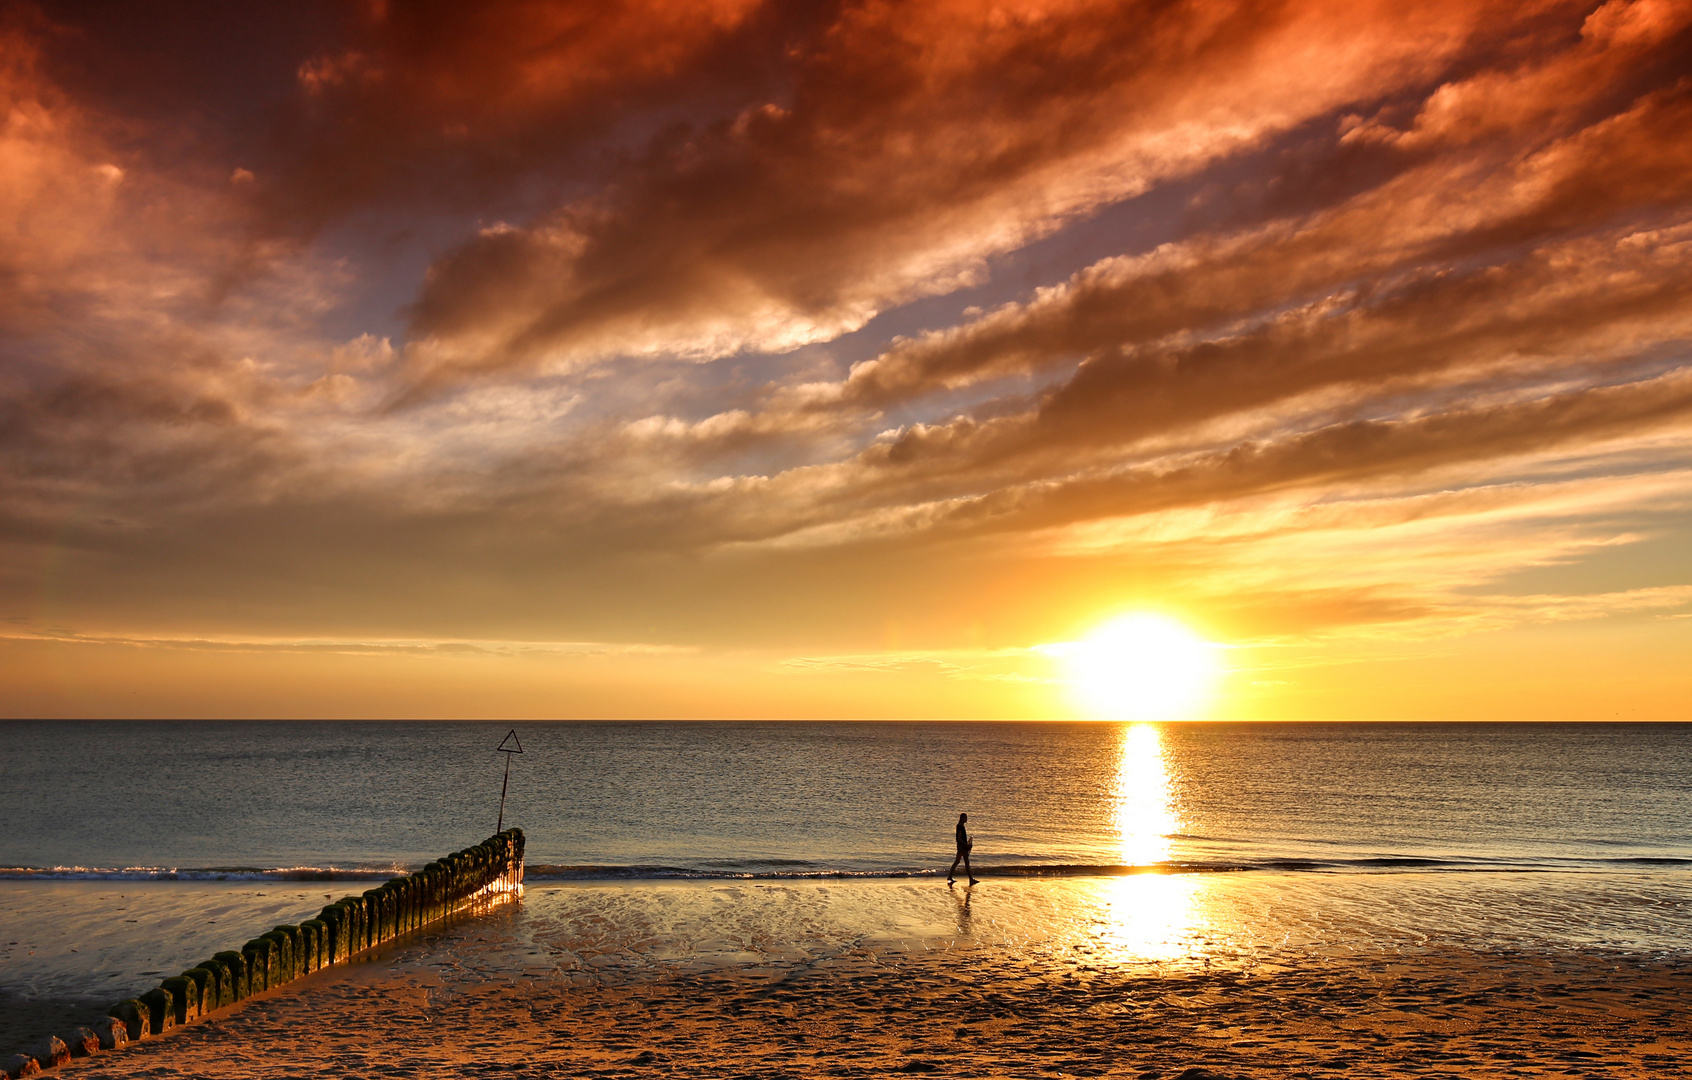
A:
516,743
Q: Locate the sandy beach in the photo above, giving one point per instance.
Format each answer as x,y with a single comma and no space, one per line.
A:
822,980
966,1013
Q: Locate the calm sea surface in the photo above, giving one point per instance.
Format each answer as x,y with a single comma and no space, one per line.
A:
602,800
132,849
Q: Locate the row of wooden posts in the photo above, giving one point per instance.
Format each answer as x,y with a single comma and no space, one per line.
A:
349,926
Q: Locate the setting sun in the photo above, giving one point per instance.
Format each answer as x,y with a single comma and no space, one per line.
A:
1141,666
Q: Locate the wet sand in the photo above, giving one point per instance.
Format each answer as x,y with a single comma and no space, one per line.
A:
1244,977
970,1012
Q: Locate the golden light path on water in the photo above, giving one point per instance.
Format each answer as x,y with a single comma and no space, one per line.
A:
1143,803
1147,916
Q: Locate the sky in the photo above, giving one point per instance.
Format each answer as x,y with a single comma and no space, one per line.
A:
756,358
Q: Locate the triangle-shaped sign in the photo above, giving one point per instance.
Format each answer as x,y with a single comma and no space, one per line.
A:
516,746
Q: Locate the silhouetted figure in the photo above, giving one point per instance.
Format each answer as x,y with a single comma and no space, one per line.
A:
964,844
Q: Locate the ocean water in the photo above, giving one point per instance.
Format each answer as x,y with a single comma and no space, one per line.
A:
133,849
782,799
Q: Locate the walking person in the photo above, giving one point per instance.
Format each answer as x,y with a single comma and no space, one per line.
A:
964,844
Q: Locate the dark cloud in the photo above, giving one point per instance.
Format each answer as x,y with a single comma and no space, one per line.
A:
459,105
914,145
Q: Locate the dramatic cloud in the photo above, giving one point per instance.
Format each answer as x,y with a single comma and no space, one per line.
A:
854,340
912,145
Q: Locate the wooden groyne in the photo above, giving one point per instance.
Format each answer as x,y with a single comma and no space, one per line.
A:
346,928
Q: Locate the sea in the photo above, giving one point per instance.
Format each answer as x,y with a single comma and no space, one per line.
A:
131,849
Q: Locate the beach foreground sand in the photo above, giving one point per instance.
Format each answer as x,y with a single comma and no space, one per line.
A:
1243,976
967,1012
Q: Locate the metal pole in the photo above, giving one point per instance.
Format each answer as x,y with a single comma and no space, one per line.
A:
503,785
515,747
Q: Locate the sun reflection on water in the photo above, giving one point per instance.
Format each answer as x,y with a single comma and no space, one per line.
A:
1145,916
1143,810
1148,916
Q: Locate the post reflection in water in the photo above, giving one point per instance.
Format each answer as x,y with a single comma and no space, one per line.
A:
1146,916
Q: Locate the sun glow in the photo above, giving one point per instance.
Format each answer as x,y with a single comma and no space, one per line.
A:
1140,667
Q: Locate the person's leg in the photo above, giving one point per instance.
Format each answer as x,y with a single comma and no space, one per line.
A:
952,873
967,871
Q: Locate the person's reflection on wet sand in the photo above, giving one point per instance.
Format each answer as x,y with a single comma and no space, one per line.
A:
964,844
964,925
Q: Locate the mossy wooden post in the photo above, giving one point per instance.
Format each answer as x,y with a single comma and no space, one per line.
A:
319,956
435,875
354,908
205,991
161,1008
276,960
281,957
296,946
302,948
420,897
419,901
330,942
184,998
136,1016
399,890
236,965
339,931
367,917
224,993
306,961
402,904
225,980
384,903
401,898
258,952
361,920
350,919
354,912
210,981
390,911
376,900
355,918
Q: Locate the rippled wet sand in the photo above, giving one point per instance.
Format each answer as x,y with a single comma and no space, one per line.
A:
976,1011
1245,974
